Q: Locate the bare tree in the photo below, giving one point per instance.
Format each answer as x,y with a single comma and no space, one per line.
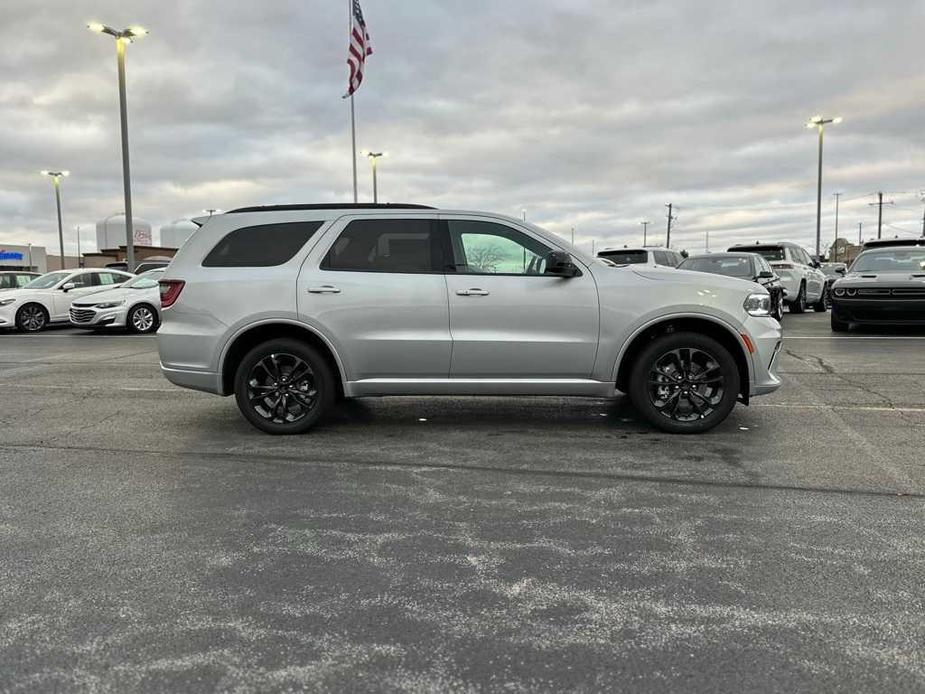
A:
486,258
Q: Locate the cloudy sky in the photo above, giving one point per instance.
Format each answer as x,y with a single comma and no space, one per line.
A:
589,114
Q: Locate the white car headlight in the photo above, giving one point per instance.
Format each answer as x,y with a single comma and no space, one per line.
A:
109,304
758,305
7,302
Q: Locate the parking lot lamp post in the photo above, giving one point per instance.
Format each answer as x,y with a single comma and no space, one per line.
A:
819,123
373,159
56,179
123,37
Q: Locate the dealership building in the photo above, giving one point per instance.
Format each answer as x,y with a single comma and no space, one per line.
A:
30,258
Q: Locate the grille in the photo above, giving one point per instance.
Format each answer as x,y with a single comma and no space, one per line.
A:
82,315
899,294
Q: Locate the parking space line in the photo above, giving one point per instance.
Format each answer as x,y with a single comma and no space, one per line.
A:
859,408
854,337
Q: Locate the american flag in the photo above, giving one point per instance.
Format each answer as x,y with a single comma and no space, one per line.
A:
360,47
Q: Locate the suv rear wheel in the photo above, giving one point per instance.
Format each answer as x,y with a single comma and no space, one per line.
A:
823,303
283,386
684,383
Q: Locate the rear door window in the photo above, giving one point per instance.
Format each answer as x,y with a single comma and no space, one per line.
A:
261,245
387,245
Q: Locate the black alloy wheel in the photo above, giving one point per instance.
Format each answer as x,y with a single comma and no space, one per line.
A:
31,318
283,387
685,383
778,312
823,304
798,305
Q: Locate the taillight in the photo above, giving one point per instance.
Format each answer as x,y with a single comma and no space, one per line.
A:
170,291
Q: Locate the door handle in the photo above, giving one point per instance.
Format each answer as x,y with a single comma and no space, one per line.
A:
324,289
473,291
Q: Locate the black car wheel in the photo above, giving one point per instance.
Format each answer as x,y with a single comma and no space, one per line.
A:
684,383
284,386
798,305
31,318
823,304
778,311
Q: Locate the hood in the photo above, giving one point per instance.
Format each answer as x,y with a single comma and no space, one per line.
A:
117,294
892,279
697,279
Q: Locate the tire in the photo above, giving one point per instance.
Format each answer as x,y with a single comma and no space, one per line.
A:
659,375
142,319
822,305
839,326
267,369
778,314
31,318
798,305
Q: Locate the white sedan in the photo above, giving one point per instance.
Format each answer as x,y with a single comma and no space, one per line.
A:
135,305
47,299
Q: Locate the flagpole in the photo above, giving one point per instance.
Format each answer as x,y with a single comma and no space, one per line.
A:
353,123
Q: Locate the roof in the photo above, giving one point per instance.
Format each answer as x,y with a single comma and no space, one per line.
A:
333,206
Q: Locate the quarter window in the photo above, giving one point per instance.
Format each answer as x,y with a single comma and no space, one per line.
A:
110,278
486,248
263,245
386,245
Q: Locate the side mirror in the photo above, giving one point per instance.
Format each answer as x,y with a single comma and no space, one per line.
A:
765,275
560,263
67,286
816,264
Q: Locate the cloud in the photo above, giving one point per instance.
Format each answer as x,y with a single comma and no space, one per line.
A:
588,114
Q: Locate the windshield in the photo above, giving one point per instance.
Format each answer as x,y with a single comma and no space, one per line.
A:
891,260
625,257
146,280
729,266
47,281
772,253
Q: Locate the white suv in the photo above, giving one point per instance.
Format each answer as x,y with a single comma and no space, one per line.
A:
803,281
645,255
290,307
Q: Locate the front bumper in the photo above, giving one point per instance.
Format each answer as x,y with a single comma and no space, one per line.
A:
885,311
95,318
766,337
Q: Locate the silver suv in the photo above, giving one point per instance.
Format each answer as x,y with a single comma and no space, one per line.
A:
291,307
799,272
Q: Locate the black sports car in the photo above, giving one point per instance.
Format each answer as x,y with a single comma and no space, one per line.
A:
746,266
884,286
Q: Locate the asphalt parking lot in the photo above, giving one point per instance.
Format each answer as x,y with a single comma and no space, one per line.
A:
150,539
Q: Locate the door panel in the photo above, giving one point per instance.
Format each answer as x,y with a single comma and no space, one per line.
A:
383,323
509,325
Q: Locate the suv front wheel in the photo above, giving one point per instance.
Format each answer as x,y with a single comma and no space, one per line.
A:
283,386
684,383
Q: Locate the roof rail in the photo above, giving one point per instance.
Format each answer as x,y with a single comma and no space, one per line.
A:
334,206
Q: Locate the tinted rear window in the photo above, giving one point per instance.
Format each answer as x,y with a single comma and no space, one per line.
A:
772,253
731,266
625,257
386,245
263,245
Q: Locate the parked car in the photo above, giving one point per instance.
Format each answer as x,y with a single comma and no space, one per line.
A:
142,266
893,242
136,305
47,298
832,272
645,255
14,279
798,272
883,286
291,307
746,266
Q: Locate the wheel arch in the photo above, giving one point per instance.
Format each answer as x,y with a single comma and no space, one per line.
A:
254,334
718,330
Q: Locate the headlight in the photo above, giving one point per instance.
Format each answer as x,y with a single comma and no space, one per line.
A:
758,305
851,292
839,291
6,302
109,304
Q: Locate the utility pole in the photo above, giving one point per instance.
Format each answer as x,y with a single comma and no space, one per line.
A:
860,226
573,236
671,218
837,196
923,216
707,232
645,229
592,246
80,262
880,205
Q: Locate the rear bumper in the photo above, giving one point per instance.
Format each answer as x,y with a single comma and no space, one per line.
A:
206,381
878,311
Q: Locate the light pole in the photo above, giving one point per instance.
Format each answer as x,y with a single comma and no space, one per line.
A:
373,159
211,210
56,178
835,251
819,123
645,229
80,262
122,37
